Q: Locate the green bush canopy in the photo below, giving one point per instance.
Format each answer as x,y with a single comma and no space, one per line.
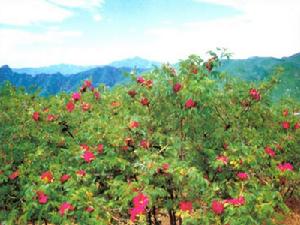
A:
188,145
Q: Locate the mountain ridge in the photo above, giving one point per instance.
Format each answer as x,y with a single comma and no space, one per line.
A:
70,69
51,84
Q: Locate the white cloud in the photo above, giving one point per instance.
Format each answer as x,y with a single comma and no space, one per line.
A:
264,28
28,49
97,17
20,12
19,47
28,12
92,6
86,4
231,3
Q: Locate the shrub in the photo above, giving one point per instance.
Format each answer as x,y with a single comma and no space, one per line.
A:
191,144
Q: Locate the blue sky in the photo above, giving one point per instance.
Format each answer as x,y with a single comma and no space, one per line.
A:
89,32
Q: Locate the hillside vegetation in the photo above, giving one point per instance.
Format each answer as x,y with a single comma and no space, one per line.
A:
258,69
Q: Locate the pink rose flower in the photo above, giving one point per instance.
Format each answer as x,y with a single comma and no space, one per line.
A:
65,207
217,207
223,158
88,156
186,206
76,96
190,104
177,87
70,106
285,166
35,116
243,176
269,151
235,201
255,95
64,178
42,198
47,177
285,125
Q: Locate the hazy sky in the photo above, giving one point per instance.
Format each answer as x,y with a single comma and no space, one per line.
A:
89,32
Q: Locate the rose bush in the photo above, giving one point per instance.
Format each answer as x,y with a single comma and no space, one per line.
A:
193,145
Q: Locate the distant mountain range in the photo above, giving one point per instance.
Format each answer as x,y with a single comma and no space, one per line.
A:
69,69
135,62
51,84
65,69
57,78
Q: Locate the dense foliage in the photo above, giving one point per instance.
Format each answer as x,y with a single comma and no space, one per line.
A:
191,145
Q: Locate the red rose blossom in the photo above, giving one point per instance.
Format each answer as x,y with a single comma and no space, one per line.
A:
297,125
89,209
195,70
255,95
47,177
285,125
285,112
269,151
51,117
140,203
132,93
145,102
140,80
97,95
100,148
223,159
87,83
35,116
235,201
42,198
186,206
64,178
217,207
70,106
65,207
81,173
86,106
190,104
243,176
177,87
76,96
88,156
285,166
134,124
165,166
135,212
148,83
84,147
140,200
14,175
145,144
